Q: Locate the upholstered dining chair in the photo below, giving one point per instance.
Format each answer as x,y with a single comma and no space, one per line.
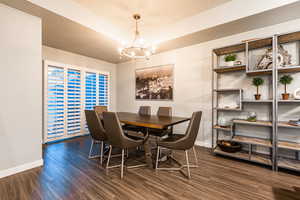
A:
99,110
162,112
182,142
143,110
117,138
97,132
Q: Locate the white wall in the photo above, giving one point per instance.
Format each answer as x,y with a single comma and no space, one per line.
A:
21,91
65,57
192,90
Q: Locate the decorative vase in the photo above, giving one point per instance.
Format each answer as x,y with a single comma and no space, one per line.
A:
297,94
230,63
257,96
285,96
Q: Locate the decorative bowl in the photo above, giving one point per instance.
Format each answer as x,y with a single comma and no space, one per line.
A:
229,146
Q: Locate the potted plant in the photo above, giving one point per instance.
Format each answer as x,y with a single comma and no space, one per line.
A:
285,80
257,82
229,59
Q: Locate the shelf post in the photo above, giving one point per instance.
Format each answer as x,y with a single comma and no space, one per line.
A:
275,103
247,56
212,102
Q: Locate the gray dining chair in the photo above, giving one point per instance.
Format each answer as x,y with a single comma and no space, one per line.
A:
162,112
117,138
182,142
143,110
97,133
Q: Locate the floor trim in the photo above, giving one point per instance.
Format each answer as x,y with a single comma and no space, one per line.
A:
21,168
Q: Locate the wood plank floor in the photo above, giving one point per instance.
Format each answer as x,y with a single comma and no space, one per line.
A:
68,174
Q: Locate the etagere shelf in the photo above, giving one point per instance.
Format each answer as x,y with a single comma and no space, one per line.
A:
273,126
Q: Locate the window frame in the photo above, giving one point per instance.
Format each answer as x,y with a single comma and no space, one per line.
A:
83,71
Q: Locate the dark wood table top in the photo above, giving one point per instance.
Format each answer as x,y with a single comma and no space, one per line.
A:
150,121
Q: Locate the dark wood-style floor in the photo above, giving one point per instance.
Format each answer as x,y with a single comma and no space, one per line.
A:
68,174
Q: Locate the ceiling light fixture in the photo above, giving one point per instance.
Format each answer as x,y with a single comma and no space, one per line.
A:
138,48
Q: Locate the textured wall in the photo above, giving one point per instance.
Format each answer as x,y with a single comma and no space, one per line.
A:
192,90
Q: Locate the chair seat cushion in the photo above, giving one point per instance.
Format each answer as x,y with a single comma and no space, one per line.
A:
170,141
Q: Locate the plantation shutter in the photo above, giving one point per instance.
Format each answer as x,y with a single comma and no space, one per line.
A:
74,102
90,90
103,90
67,92
56,100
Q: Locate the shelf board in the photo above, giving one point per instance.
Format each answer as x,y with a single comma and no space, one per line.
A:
262,159
228,90
230,49
222,128
229,109
257,101
289,101
290,37
257,123
260,43
259,72
286,125
289,69
225,69
252,140
289,145
289,164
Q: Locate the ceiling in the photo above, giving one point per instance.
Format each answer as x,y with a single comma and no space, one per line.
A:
155,13
88,39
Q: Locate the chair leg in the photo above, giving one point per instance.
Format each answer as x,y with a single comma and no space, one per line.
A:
157,157
109,155
187,164
101,152
195,154
122,164
91,148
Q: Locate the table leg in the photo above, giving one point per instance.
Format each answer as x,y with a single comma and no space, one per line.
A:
148,153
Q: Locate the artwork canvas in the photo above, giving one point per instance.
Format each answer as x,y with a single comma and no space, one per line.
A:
155,83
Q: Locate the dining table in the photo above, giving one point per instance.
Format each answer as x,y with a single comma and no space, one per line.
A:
148,122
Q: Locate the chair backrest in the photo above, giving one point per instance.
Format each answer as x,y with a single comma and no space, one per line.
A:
145,110
164,112
113,129
99,110
95,126
192,130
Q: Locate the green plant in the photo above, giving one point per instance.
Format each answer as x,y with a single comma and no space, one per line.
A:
230,57
285,80
257,82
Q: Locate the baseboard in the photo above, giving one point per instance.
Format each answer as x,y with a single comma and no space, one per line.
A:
21,168
202,144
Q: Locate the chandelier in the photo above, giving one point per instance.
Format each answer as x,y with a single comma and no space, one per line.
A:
137,49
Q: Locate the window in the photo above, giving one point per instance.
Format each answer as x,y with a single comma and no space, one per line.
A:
74,101
90,90
68,91
55,105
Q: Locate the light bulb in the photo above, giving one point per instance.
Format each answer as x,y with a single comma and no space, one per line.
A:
153,48
120,50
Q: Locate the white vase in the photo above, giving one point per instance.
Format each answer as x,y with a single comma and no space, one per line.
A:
297,94
230,63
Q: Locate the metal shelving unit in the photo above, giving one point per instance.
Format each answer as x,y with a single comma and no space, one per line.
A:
272,143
